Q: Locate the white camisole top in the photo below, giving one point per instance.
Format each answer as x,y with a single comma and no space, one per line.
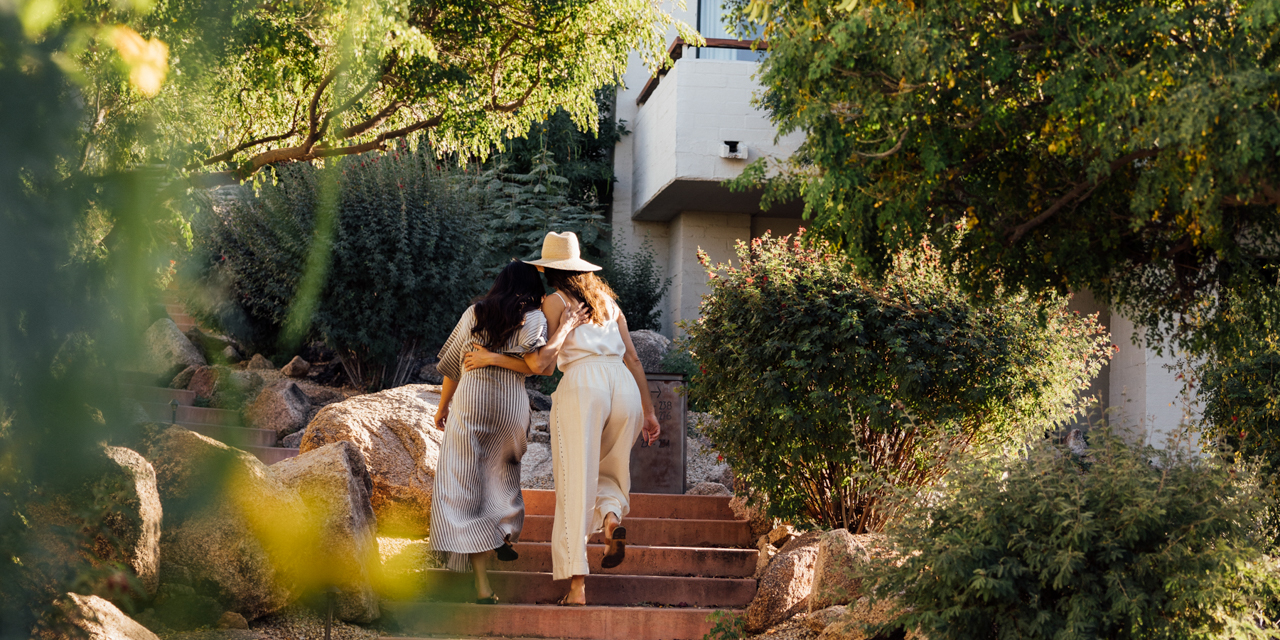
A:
589,339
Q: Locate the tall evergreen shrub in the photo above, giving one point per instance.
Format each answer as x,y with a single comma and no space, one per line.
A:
832,389
521,208
407,257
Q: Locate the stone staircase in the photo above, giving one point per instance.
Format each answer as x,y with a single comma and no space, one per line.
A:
686,559
220,424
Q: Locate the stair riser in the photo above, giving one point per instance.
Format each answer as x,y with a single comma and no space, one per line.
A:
454,620
158,395
603,590
659,533
645,505
648,561
200,415
271,455
239,437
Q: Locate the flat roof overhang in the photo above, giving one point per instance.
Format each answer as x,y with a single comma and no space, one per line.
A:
685,194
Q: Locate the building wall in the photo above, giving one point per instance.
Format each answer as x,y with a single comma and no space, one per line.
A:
1148,400
716,234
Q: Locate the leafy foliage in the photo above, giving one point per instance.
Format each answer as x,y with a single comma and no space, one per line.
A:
1120,542
252,83
68,313
583,157
403,268
637,279
521,208
1124,148
1240,376
831,390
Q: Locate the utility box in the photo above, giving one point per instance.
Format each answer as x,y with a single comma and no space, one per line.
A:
660,468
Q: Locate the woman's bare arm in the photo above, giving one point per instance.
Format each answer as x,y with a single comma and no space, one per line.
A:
651,429
446,397
543,361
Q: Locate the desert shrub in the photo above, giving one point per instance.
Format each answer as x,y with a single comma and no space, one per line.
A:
520,208
1119,542
404,259
831,389
637,279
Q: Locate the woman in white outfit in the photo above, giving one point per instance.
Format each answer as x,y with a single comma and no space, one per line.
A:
598,409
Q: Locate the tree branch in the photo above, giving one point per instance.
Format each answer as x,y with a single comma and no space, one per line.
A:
896,147
1080,191
373,121
230,153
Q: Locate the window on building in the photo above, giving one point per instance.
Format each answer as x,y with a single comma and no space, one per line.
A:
711,23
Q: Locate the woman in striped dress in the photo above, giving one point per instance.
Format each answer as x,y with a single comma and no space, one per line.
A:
477,508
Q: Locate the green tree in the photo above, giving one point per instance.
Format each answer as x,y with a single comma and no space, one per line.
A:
253,83
521,208
833,392
1128,148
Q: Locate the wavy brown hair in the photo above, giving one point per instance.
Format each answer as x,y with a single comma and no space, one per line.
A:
585,286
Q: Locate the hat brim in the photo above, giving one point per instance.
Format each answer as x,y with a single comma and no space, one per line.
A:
572,264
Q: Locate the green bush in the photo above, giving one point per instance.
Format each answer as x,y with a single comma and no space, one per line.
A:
1120,543
1240,374
404,261
520,208
831,389
637,279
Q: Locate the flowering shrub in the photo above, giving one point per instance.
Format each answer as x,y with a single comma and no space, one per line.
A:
832,390
1120,542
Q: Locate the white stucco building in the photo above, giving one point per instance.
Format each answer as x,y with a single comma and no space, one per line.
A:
669,172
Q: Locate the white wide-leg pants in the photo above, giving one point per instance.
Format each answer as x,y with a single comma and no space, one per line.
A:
595,417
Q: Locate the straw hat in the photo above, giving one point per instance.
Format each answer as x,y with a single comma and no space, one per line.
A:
560,251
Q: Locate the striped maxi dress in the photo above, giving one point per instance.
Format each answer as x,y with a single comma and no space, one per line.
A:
477,501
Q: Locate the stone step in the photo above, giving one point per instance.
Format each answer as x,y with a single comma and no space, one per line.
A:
518,587
173,308
162,412
271,455
238,437
648,561
645,505
159,395
532,621
659,532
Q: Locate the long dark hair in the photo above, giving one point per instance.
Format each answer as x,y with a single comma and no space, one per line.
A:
501,311
585,286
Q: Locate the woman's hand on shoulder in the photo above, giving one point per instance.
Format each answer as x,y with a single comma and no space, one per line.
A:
575,316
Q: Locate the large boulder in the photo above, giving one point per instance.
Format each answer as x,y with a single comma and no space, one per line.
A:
708,489
335,485
395,431
229,521
296,368
754,511
652,347
97,619
212,347
836,579
127,534
785,586
134,519
281,407
167,351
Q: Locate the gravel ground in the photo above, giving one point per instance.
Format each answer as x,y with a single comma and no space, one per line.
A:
792,629
300,623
